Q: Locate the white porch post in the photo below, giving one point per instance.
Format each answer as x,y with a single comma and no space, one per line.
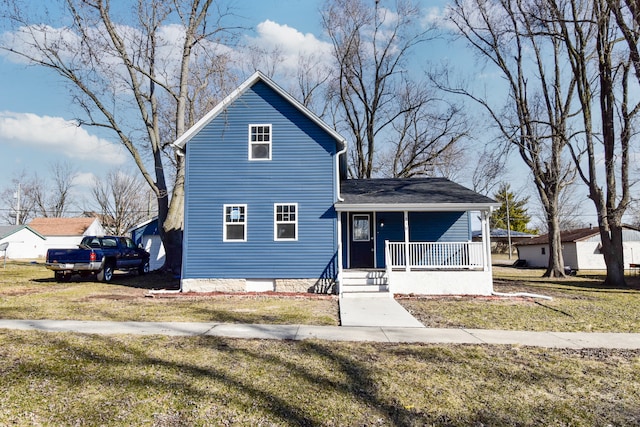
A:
339,279
486,241
406,241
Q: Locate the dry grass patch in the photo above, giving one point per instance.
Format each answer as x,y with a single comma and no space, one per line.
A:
71,379
28,291
579,304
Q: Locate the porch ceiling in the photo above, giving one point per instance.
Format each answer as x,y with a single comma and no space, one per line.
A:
415,194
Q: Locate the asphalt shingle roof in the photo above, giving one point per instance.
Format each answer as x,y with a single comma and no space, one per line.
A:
409,191
61,226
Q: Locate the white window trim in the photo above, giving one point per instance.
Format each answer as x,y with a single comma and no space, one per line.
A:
259,142
224,222
276,222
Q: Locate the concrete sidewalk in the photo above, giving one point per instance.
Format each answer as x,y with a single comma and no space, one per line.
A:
573,340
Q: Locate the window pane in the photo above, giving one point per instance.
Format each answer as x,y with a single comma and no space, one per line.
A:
286,231
361,228
259,151
235,232
234,214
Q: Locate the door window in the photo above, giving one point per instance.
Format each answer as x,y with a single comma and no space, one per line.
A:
361,228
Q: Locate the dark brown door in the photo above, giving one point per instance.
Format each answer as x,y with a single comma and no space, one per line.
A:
361,240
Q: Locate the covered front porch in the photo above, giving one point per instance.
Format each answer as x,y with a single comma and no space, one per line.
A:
411,236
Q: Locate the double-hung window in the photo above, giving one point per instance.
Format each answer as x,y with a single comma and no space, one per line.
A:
235,223
259,142
285,221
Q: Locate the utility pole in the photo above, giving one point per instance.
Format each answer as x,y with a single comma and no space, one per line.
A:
506,200
18,206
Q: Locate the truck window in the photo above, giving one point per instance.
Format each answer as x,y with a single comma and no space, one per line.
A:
109,243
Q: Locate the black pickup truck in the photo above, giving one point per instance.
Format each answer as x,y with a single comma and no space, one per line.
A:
99,256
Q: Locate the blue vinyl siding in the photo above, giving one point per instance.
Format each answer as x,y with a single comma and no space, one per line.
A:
439,227
302,171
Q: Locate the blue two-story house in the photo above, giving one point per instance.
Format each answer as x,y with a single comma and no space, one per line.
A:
268,208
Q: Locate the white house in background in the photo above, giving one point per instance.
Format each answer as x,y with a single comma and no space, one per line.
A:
581,249
147,234
66,232
22,242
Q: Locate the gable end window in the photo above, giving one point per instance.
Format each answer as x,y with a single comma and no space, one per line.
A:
259,142
285,221
235,223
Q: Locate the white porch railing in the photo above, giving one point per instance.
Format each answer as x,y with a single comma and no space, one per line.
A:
436,256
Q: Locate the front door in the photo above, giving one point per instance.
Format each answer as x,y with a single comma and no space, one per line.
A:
361,240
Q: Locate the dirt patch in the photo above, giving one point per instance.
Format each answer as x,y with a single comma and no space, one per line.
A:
243,295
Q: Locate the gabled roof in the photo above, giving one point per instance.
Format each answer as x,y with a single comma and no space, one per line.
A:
143,224
568,236
61,226
8,230
410,194
256,77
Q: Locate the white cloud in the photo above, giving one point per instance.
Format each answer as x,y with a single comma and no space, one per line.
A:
57,135
84,179
290,43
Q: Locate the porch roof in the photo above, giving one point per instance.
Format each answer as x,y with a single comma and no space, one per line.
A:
415,194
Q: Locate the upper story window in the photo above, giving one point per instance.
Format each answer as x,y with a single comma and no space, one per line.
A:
286,221
259,142
235,223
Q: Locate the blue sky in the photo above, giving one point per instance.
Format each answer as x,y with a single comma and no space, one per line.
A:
36,108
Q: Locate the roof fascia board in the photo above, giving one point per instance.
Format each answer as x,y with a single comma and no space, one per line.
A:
193,130
423,207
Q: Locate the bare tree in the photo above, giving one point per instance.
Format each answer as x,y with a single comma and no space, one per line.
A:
18,200
128,71
428,135
121,198
513,36
52,196
590,37
371,45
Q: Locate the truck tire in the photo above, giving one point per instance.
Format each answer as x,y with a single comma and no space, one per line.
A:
144,267
61,276
106,274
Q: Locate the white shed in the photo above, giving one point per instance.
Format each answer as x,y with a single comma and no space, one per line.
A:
580,249
22,242
147,234
66,232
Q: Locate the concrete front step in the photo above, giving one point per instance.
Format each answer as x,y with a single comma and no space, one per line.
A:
364,282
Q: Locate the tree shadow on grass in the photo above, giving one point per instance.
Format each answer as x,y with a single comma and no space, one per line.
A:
154,280
216,381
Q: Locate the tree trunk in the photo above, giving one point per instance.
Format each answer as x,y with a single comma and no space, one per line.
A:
172,224
555,267
613,257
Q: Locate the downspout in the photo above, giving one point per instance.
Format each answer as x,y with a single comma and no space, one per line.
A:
339,218
180,152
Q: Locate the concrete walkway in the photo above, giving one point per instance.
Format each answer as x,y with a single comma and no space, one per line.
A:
375,311
574,340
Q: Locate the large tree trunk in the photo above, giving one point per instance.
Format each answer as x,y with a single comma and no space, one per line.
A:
613,256
555,267
172,225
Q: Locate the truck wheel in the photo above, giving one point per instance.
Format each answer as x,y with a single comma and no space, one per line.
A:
105,274
61,276
144,267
